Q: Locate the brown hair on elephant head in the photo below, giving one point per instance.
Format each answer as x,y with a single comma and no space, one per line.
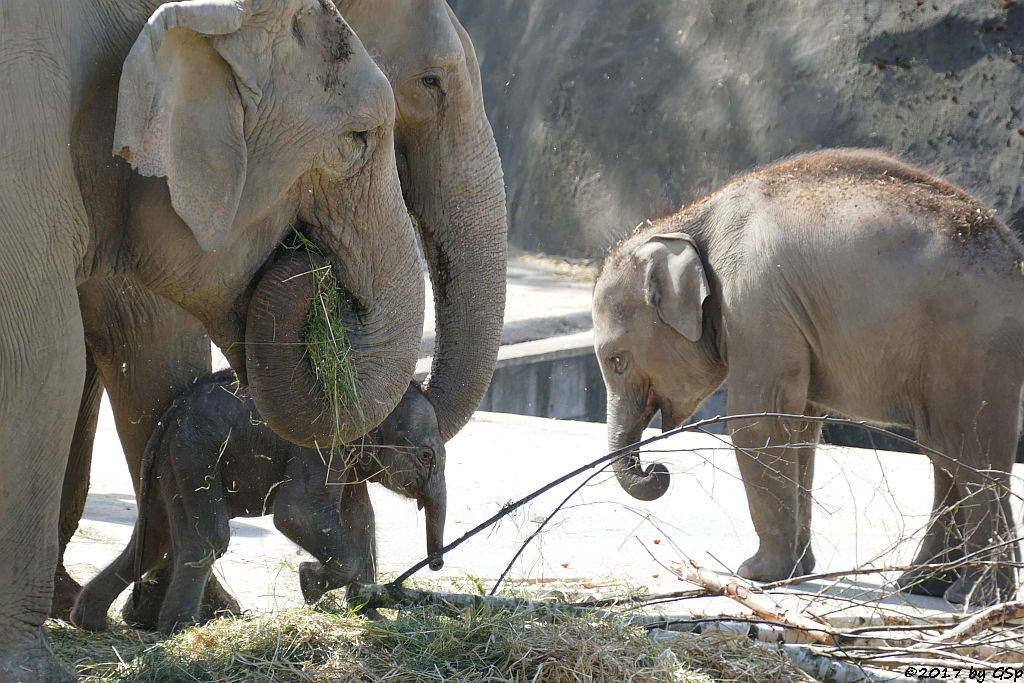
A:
452,180
263,115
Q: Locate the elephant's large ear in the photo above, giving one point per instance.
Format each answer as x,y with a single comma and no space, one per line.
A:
674,281
180,113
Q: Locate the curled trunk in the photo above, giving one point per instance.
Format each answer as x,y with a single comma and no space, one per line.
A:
286,390
642,483
648,483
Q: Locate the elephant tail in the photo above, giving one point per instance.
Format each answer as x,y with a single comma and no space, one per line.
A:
145,491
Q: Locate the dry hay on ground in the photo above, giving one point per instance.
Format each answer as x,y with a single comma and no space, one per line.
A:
415,646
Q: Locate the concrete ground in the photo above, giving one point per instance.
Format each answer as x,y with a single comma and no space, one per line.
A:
870,507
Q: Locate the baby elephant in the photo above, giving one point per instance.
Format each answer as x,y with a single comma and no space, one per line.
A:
211,458
843,281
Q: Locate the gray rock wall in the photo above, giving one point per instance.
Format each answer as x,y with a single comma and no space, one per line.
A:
607,113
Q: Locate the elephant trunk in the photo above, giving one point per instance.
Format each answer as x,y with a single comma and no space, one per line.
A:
435,505
382,273
642,483
454,186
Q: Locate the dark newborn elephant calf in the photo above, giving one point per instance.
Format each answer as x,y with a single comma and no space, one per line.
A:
211,459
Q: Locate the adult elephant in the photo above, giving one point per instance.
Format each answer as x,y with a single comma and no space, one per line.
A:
451,177
234,120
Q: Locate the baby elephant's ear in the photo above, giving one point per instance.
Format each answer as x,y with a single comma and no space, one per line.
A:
674,281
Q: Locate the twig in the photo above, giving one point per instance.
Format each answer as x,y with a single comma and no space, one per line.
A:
760,604
993,616
540,527
905,656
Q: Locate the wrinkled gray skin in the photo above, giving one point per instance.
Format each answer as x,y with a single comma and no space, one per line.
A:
211,459
297,129
452,181
839,282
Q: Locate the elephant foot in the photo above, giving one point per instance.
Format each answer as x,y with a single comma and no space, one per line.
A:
312,581
65,592
372,614
33,663
933,582
87,617
774,567
217,602
982,586
145,613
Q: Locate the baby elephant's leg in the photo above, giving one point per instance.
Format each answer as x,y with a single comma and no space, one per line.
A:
335,524
145,613
200,533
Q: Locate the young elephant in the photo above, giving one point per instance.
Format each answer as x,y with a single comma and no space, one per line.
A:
841,281
211,459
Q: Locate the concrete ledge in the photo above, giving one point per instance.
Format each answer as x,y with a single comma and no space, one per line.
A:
556,377
538,350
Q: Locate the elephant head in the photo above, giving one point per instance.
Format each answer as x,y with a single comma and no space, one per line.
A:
244,120
406,454
452,180
656,345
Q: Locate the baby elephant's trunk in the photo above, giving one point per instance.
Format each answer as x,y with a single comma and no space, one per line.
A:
435,505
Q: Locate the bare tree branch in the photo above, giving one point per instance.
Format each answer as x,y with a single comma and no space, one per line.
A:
982,621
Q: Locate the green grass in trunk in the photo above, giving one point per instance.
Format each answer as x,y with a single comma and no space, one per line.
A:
327,343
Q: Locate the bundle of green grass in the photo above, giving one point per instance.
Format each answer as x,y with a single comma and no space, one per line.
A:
327,340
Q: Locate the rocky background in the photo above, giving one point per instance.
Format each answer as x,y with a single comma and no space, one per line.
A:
607,113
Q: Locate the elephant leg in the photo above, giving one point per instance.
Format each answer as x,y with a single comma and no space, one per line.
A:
335,524
942,543
44,373
805,479
987,527
144,613
774,458
148,351
983,442
200,532
76,487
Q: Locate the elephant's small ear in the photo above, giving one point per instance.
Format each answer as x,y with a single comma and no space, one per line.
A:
674,282
180,115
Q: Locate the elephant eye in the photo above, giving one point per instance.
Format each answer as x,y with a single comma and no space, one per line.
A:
426,456
619,364
432,82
